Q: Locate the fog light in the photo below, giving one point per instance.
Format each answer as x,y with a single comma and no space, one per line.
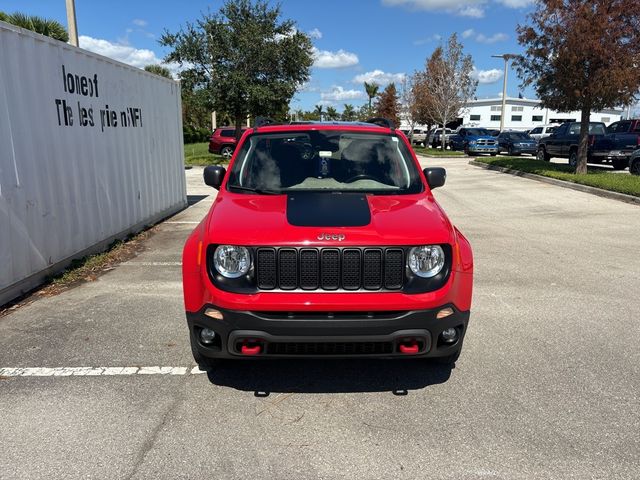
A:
207,335
450,335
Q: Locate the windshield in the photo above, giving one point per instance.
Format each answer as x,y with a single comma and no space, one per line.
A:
478,132
324,160
520,136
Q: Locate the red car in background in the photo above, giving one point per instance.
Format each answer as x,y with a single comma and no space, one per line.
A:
223,141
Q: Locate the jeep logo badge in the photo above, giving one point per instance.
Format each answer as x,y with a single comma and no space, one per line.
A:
331,236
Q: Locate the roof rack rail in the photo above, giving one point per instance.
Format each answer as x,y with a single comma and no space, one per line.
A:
263,121
382,122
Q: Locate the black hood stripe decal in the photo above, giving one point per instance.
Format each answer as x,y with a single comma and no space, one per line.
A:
326,209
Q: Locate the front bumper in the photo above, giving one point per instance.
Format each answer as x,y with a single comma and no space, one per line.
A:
323,334
482,149
532,150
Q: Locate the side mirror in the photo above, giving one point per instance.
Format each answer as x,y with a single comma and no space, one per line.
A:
436,176
213,176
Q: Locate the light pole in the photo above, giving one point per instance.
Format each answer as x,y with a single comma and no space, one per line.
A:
506,57
71,22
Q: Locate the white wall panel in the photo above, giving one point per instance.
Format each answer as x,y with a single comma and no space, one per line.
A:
68,188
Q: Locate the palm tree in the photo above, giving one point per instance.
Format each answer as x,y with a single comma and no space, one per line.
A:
43,26
332,114
372,91
318,112
349,113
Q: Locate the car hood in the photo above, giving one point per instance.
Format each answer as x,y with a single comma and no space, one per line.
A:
246,219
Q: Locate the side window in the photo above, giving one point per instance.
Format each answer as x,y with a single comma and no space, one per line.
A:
637,127
574,129
227,133
561,130
536,130
623,127
612,128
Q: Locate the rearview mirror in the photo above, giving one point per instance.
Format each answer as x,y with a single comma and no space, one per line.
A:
213,176
436,176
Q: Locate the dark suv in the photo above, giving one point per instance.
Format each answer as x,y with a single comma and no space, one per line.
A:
325,240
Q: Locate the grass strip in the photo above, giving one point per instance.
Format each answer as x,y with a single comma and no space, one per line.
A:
197,154
596,177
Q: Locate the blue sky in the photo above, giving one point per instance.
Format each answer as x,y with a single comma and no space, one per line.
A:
356,40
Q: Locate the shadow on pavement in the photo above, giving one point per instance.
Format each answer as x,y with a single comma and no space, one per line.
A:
328,376
193,199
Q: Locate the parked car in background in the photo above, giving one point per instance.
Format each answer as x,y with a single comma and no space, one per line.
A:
634,163
419,136
516,143
474,140
563,143
541,132
625,133
223,141
435,136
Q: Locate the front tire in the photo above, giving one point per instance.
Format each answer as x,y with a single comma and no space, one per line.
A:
542,155
634,168
226,151
573,158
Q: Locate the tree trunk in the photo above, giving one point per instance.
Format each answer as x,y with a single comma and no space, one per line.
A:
443,136
583,142
238,121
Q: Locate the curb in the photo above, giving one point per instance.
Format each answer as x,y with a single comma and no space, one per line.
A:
439,157
622,197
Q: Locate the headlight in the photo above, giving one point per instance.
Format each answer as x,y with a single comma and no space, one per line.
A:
472,142
231,261
426,261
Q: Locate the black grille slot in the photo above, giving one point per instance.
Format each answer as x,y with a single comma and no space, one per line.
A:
372,269
309,269
267,271
393,268
288,269
329,348
330,268
351,274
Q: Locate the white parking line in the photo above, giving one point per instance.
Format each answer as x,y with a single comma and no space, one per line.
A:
152,264
95,371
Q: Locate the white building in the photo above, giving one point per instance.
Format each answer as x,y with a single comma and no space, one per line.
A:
525,114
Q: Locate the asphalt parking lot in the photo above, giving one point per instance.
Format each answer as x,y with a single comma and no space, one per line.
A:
547,387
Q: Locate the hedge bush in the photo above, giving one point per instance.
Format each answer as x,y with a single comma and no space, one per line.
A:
195,135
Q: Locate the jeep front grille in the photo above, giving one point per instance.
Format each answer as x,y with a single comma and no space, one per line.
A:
330,268
485,142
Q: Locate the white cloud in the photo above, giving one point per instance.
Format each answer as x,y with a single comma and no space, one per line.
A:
468,33
139,22
465,8
136,57
315,33
433,38
379,77
339,94
339,59
496,37
486,77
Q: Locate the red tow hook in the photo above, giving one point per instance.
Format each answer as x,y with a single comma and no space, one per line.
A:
409,349
250,349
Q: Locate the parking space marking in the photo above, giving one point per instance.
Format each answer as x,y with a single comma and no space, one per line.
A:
95,371
152,264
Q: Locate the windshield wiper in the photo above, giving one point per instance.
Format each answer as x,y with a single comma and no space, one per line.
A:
259,191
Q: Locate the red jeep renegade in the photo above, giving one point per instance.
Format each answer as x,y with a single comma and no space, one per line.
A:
326,241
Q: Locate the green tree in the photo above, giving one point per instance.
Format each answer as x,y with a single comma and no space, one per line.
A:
43,26
372,91
388,105
582,55
318,112
159,70
250,60
348,113
332,114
